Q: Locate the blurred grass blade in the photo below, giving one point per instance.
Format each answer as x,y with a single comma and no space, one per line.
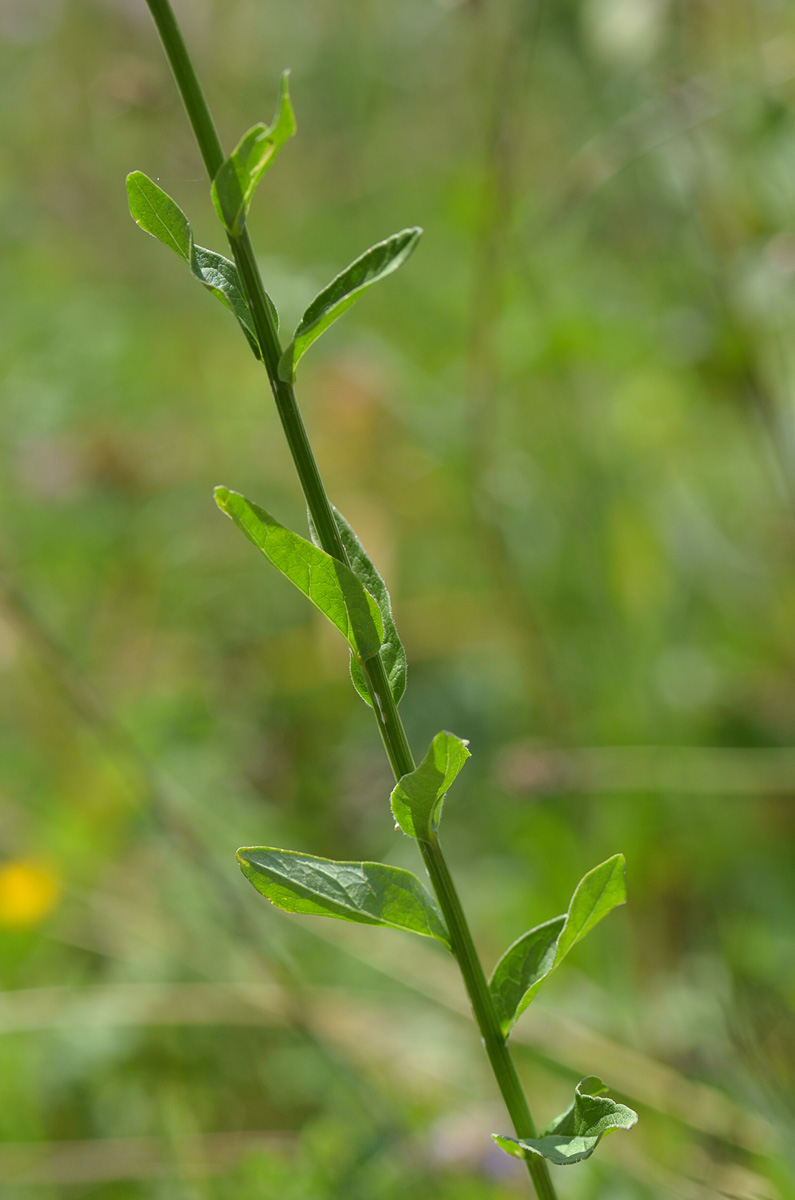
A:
418,797
237,178
574,1135
367,892
393,655
156,213
330,585
377,262
526,964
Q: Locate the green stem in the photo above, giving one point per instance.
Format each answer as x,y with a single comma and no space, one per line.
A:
212,154
390,725
477,988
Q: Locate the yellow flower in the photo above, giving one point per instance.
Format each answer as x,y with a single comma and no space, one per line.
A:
29,890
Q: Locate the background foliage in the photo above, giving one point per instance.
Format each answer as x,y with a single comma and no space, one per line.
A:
564,433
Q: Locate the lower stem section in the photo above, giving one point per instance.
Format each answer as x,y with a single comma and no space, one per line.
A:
477,988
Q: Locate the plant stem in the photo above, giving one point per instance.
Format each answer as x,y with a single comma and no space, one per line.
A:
494,1043
390,725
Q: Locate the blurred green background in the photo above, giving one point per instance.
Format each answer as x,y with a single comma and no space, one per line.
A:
564,431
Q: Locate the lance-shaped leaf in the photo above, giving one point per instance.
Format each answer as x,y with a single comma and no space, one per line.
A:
237,177
155,211
330,585
575,1134
159,215
368,892
377,262
393,655
526,964
418,797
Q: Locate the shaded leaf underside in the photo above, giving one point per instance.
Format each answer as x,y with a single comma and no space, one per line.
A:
393,655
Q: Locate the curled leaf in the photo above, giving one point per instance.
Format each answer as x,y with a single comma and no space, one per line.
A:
418,797
574,1135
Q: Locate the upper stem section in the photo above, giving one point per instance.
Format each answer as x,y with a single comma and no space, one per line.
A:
389,724
243,253
188,84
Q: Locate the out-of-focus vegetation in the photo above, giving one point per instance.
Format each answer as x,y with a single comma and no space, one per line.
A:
583,386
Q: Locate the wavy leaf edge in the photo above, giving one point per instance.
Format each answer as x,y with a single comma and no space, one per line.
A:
573,1136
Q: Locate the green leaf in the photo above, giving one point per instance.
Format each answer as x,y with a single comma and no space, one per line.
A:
371,893
159,215
418,797
330,585
597,893
377,262
575,1134
155,211
237,177
526,964
219,274
522,969
393,655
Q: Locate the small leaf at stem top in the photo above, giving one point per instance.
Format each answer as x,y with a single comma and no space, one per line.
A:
237,178
330,585
376,263
418,797
534,956
367,892
393,655
574,1135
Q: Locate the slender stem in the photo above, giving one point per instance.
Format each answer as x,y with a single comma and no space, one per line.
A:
187,82
286,403
212,153
494,1043
390,725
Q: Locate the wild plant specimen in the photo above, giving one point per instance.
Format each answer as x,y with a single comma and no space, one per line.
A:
336,575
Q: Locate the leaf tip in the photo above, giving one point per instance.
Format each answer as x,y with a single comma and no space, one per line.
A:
509,1145
133,184
221,495
286,102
